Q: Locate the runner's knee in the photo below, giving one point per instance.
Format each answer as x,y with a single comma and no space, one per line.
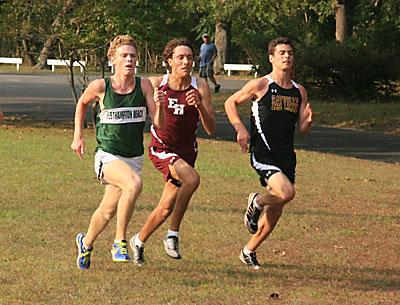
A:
133,186
192,180
287,195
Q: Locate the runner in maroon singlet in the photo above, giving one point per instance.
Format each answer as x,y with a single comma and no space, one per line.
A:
173,150
178,138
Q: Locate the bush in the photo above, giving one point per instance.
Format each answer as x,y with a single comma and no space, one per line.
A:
348,69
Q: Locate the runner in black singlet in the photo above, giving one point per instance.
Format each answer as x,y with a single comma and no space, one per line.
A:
278,105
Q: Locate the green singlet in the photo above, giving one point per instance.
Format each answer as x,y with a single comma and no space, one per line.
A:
120,125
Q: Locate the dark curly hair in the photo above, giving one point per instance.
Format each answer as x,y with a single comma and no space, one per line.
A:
170,47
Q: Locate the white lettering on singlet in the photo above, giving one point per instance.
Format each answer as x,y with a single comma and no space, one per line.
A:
173,104
123,115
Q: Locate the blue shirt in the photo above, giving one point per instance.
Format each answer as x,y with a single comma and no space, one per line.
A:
207,51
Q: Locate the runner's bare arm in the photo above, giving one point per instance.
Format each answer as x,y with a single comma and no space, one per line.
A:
305,113
154,100
94,92
201,99
252,90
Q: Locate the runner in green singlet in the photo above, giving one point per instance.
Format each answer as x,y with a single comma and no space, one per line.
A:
123,102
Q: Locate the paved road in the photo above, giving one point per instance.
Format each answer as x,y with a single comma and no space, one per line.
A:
44,96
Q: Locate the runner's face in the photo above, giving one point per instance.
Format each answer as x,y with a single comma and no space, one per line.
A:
125,60
282,59
182,61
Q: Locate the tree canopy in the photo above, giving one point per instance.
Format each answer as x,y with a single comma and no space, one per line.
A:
362,59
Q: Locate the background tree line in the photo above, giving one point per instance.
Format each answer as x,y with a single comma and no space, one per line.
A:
342,46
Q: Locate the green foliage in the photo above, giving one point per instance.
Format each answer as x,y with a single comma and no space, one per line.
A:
365,65
347,69
90,25
30,20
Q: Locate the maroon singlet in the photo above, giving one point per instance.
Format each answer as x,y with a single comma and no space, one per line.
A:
181,120
177,140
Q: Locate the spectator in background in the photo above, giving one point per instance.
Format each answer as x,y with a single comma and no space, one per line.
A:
208,52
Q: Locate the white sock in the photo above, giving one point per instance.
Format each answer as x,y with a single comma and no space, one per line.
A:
247,251
171,233
138,242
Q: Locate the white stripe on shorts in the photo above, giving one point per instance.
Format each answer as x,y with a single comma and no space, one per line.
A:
262,166
162,155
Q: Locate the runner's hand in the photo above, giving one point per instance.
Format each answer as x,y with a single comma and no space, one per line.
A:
243,139
78,146
193,98
159,96
308,113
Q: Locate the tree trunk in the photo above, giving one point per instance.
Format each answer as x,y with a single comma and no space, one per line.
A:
44,53
343,20
340,16
27,54
222,44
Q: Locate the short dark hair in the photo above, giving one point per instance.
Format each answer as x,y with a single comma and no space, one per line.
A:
170,47
280,40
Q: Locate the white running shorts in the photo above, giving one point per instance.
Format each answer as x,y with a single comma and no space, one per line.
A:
101,157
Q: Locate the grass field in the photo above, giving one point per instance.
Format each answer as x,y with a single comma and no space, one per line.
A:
336,243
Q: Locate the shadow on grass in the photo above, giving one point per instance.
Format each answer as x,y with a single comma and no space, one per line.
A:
356,278
363,278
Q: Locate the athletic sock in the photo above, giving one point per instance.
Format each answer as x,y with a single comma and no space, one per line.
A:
138,242
247,251
171,233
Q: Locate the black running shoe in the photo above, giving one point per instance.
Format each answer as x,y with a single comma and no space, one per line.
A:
216,89
252,214
250,260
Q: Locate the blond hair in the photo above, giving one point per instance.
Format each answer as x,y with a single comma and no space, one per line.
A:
120,40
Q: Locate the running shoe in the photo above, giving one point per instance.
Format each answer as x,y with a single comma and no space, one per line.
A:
119,252
83,259
250,260
138,252
171,244
252,214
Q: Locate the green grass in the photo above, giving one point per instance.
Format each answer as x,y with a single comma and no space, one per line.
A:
336,243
